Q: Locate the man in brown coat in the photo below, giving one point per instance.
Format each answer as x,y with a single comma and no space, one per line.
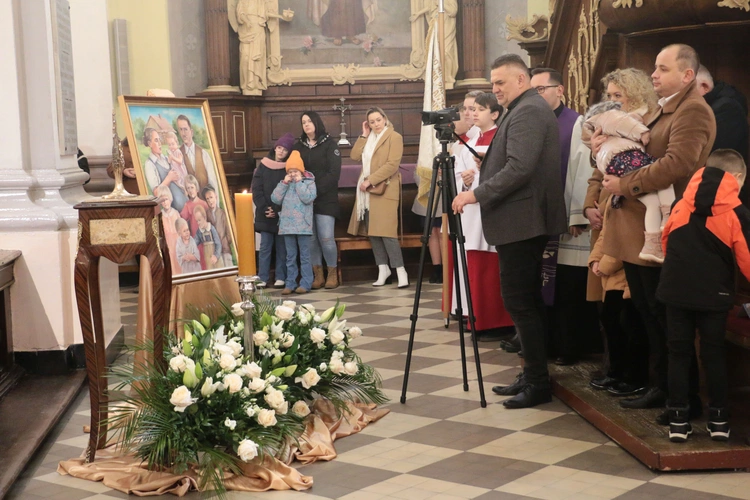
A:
683,130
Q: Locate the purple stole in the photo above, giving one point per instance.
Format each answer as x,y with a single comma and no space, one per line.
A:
565,122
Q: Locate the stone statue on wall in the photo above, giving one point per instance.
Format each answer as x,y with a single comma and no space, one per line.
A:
429,9
251,19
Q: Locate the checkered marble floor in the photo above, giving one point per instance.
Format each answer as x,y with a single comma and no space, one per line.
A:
440,444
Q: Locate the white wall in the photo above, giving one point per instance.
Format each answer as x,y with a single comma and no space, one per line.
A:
88,20
38,184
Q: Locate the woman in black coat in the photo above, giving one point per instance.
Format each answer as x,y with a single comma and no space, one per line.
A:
266,177
321,155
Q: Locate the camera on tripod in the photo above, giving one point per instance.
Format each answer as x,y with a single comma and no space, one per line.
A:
442,120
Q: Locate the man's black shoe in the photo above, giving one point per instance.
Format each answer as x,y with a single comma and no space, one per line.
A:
491,335
531,395
565,361
511,390
654,398
626,389
603,383
696,410
512,345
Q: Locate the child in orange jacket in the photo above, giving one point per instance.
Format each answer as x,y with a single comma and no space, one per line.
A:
707,232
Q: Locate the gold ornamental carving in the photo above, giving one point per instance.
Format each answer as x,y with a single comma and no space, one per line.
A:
80,236
735,4
617,4
117,231
155,230
527,30
582,57
342,74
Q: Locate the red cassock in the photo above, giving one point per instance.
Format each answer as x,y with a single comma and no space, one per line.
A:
484,285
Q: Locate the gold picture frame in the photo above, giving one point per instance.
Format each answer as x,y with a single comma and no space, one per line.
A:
343,73
176,154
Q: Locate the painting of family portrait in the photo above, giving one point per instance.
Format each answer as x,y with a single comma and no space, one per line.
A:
176,159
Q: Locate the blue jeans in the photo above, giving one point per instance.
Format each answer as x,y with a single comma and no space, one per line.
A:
323,242
292,241
267,241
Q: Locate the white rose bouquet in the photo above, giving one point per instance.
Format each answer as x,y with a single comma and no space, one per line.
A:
208,405
314,347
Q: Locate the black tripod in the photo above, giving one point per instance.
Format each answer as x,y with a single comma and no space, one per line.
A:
445,165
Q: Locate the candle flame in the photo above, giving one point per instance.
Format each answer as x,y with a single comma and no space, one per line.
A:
244,191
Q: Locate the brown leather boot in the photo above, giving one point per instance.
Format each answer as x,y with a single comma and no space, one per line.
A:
318,279
333,278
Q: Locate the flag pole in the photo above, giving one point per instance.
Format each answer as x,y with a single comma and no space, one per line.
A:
447,275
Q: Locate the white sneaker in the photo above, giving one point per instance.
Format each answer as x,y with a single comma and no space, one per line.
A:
278,284
260,284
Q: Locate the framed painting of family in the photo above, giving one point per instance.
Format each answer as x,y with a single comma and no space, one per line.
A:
176,158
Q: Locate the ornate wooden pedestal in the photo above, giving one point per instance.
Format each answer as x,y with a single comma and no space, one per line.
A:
118,231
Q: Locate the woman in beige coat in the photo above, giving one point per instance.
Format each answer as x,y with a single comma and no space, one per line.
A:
376,215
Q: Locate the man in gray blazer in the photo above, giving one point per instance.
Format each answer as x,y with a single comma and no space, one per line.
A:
521,199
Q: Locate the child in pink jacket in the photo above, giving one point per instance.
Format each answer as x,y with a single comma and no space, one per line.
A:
622,153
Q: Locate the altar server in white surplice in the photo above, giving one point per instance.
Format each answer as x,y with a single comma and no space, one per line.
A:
481,258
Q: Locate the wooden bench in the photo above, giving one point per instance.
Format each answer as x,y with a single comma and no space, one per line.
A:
363,243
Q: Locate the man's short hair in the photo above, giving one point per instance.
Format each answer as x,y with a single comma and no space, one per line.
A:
687,57
473,94
185,118
704,75
512,60
555,77
729,161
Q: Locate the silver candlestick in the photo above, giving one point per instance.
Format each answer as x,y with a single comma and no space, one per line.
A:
247,292
343,141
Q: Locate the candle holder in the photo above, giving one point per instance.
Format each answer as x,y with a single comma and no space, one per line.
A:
343,141
247,292
118,166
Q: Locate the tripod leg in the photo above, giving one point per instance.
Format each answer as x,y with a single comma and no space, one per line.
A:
449,194
429,216
459,252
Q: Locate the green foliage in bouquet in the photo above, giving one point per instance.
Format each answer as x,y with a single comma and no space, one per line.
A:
212,408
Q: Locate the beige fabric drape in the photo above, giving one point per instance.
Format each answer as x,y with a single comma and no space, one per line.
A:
129,475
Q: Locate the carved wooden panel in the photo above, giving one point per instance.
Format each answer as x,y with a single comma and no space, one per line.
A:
247,127
238,132
220,126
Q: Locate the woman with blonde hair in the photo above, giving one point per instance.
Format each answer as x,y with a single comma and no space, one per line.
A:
627,365
378,198
632,88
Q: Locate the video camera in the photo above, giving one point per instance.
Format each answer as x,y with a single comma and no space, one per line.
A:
443,118
442,121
